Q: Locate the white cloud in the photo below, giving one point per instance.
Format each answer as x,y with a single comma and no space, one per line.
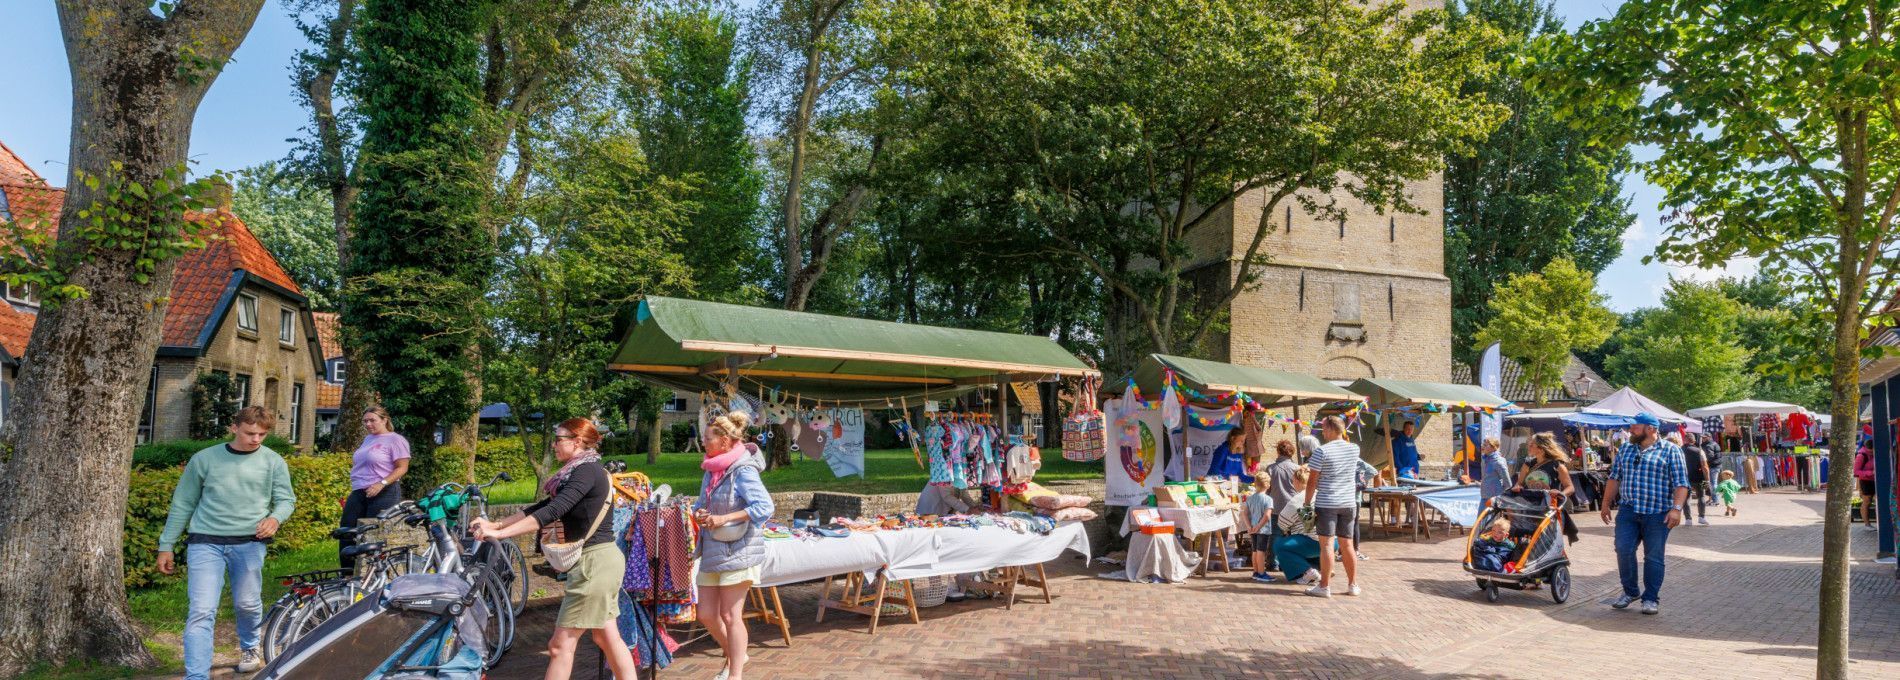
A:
1635,233
1741,267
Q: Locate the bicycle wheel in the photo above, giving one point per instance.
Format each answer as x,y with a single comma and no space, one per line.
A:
501,622
276,624
329,600
514,575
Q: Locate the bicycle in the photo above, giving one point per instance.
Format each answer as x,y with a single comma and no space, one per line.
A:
511,569
435,509
303,587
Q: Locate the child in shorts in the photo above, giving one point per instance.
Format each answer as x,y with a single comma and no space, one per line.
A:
1726,489
1260,525
1493,547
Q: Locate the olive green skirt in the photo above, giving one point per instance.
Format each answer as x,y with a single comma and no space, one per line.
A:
592,599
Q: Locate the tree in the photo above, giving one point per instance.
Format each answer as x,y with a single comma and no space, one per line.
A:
419,269
1772,121
326,157
1688,353
138,75
1784,334
293,221
689,98
812,55
1540,318
1536,190
598,229
1122,144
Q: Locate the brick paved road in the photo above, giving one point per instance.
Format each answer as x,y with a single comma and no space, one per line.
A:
1739,604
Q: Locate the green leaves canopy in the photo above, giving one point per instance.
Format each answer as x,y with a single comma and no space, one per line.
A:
1540,318
1688,353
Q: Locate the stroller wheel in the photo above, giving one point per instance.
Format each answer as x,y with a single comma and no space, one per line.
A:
1482,584
1490,591
1560,584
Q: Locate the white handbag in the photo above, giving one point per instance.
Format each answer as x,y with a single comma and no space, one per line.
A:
563,556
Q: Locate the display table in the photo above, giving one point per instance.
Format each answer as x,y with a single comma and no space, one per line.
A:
1209,526
1160,557
869,562
1388,498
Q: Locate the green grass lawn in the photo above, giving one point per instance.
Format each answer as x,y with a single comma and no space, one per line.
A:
886,471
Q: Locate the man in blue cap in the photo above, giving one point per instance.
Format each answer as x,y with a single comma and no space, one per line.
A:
1648,485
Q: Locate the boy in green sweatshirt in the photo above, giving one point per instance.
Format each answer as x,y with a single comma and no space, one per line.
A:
232,497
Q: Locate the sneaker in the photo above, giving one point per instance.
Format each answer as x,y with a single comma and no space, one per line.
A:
1704,521
1264,578
1319,591
1311,577
1352,589
1651,607
249,661
1622,602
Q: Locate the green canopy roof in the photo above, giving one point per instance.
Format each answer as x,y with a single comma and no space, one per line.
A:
1270,387
691,345
1387,393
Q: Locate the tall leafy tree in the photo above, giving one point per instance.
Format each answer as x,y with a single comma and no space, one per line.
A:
1689,352
689,94
138,73
1774,123
418,270
1541,317
1123,143
1536,189
293,221
1784,334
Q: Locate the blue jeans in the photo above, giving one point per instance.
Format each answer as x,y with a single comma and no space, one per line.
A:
1652,531
206,568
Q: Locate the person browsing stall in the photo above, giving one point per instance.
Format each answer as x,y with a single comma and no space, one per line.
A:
733,504
1332,492
1647,488
579,495
233,497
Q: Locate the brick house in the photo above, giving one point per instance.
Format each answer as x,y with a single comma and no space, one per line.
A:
233,310
330,378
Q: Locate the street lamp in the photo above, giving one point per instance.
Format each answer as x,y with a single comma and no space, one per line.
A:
1580,387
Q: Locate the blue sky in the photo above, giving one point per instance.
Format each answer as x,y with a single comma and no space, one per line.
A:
251,112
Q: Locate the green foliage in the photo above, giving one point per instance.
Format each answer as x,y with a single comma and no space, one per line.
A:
214,400
1115,132
1687,354
1536,189
1787,337
149,222
1540,318
503,454
177,452
689,99
422,256
319,481
293,220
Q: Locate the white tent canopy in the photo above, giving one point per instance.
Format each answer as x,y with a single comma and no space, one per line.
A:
1744,407
1629,402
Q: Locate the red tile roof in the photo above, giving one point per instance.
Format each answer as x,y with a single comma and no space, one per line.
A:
326,334
202,275
16,328
329,396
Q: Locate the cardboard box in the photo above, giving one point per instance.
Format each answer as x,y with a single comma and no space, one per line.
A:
1143,516
1171,497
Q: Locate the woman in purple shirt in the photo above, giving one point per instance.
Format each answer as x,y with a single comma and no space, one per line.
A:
376,471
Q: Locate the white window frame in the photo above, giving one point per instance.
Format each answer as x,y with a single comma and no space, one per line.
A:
286,325
296,413
29,297
242,383
247,312
336,370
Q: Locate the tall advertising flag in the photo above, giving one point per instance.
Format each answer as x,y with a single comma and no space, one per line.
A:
1491,378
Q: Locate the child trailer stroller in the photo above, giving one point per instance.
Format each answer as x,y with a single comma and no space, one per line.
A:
1540,559
421,626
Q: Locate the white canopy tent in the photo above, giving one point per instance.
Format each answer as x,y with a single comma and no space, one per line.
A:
1745,407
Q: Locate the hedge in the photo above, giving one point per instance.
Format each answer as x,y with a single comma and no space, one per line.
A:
174,453
491,456
320,481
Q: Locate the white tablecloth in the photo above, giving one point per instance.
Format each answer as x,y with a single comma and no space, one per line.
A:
916,553
1189,521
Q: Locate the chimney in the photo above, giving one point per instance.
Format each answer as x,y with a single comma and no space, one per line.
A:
220,194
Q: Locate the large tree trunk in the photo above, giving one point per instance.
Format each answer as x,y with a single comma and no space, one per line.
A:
339,177
62,592
1831,660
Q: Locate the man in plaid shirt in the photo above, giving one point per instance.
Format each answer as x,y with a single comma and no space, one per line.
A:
1648,485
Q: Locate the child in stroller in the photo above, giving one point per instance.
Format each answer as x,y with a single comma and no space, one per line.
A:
1517,543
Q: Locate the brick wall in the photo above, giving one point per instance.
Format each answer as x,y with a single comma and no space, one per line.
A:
260,355
172,417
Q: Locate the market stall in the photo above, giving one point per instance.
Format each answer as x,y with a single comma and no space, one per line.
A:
1170,419
1767,443
809,377
1388,401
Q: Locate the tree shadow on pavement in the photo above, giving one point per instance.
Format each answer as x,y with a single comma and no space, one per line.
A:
1098,659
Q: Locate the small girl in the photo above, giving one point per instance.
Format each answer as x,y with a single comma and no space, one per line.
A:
1727,489
1493,547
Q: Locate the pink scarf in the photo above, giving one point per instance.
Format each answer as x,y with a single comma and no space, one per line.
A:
554,483
717,465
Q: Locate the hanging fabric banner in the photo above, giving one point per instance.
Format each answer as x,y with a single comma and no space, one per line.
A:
1134,451
835,436
1206,430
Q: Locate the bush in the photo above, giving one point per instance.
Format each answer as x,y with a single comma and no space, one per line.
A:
213,402
177,452
491,456
320,482
679,436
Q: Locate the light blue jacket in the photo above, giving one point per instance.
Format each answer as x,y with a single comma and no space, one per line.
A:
741,488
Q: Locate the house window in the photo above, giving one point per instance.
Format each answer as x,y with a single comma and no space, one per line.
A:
242,385
296,413
336,370
247,313
23,293
286,326
674,405
151,409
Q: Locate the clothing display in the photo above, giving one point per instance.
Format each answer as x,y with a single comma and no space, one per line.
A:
662,545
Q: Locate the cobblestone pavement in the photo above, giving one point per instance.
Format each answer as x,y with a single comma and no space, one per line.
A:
1739,603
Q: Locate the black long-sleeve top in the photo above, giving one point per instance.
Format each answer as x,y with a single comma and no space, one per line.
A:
577,502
